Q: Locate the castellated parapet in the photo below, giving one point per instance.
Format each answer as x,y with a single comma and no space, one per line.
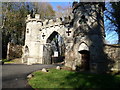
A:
83,34
77,30
49,22
37,33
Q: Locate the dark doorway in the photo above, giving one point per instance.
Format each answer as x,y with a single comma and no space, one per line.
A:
85,59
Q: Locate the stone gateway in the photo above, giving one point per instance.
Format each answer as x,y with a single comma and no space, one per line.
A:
83,35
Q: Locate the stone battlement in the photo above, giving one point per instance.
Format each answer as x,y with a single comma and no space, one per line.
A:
49,22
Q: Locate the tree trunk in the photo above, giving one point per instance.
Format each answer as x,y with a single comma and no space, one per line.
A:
118,32
119,35
119,39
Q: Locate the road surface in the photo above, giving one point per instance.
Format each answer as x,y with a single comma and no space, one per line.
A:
15,75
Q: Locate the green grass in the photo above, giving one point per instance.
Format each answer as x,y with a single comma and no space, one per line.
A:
4,60
7,61
68,79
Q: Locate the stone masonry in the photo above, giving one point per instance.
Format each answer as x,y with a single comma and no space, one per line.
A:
83,34
113,52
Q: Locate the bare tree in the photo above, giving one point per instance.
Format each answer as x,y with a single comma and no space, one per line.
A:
112,14
63,11
44,9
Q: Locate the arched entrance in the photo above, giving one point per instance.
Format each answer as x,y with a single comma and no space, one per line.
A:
26,50
57,46
85,56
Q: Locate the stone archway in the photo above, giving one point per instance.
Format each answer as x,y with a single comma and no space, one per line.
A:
85,56
54,48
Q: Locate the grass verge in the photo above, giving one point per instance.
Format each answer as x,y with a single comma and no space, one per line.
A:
7,61
68,79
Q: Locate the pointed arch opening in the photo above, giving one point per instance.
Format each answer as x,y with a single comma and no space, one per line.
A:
56,43
85,56
26,50
83,47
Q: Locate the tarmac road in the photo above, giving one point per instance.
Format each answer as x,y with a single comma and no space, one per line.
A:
15,75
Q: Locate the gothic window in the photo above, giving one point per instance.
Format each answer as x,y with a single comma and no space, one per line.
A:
26,50
27,30
83,19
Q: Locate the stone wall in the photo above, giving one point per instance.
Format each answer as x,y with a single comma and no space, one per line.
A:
90,32
14,51
47,53
113,53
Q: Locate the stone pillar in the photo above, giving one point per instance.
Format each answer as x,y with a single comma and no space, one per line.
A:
41,54
8,49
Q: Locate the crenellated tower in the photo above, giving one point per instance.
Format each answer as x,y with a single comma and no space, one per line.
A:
86,51
37,34
83,34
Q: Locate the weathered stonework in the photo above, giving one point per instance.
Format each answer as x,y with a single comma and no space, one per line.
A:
113,52
37,34
83,34
89,32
